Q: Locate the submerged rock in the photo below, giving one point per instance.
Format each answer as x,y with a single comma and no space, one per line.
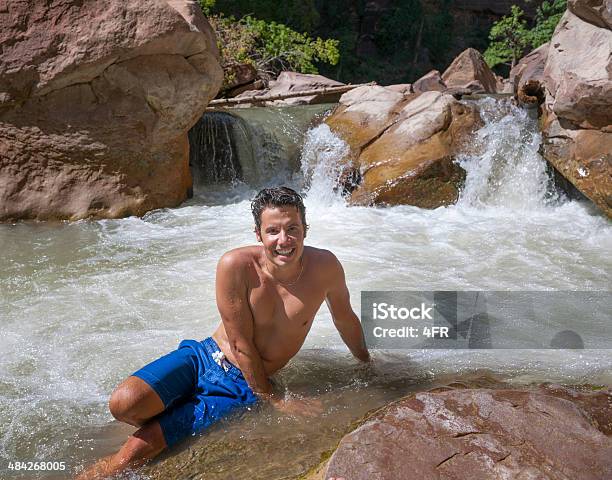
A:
96,99
403,147
550,432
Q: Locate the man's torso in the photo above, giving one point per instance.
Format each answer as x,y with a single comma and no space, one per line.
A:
282,314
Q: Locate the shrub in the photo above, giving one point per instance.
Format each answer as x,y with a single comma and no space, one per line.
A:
269,46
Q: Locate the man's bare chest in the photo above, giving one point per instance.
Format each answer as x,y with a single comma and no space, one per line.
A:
285,308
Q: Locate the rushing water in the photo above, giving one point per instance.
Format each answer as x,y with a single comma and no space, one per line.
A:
84,304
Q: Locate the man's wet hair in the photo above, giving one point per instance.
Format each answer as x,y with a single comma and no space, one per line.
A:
277,197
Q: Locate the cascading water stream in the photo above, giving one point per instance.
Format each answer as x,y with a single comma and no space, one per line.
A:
256,146
213,149
504,169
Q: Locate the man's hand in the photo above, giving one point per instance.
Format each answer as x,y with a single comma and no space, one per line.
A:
308,407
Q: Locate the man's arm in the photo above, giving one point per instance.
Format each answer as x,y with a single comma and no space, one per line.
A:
232,302
339,303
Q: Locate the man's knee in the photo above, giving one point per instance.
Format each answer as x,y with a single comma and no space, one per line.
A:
134,402
122,404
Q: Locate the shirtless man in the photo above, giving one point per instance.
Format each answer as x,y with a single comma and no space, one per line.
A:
268,296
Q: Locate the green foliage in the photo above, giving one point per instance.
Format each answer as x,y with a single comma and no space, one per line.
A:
509,39
396,43
269,46
236,42
281,48
300,15
547,17
207,6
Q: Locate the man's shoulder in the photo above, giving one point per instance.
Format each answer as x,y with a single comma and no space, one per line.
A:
322,257
240,257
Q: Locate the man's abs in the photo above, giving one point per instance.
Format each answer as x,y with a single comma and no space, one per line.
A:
273,358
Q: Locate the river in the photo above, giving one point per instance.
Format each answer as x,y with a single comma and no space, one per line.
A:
84,304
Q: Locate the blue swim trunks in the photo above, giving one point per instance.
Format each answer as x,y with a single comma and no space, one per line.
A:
198,387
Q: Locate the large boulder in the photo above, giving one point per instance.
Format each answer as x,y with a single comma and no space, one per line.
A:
470,71
577,72
96,98
582,156
577,111
403,148
597,12
550,433
363,114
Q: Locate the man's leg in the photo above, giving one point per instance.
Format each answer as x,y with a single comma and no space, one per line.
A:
135,402
146,443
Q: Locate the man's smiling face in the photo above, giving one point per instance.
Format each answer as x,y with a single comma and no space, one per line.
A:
282,234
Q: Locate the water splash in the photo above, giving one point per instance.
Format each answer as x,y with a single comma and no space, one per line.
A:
504,168
322,156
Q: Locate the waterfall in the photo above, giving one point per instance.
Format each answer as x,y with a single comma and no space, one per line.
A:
213,142
266,146
257,146
504,168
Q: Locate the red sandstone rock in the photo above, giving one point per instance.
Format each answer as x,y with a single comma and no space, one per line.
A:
403,147
577,72
240,76
529,71
597,12
577,111
403,88
481,434
470,71
96,98
429,81
290,82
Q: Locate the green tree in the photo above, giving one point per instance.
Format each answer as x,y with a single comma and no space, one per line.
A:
547,17
509,39
207,6
278,47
